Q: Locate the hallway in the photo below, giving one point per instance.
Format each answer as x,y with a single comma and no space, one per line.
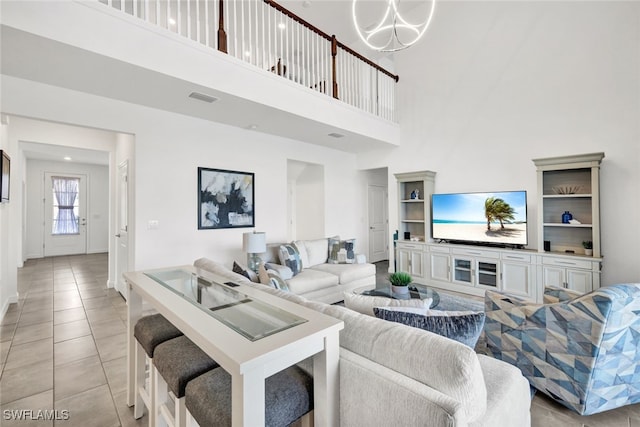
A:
63,346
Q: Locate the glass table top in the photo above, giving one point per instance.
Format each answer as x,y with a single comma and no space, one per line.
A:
415,291
247,316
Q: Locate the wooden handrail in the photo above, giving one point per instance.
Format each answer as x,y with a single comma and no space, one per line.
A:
367,61
321,33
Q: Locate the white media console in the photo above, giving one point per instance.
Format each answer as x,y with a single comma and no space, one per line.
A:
473,269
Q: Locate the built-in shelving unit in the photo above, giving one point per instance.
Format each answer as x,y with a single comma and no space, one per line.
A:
414,213
569,184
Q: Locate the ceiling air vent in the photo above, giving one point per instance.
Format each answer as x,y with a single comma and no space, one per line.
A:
202,97
336,135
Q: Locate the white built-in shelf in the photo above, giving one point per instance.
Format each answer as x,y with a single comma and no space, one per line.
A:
413,201
416,221
566,196
560,224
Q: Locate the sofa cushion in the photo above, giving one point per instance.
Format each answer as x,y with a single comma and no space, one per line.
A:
290,257
310,280
462,326
365,304
348,272
342,251
302,250
443,364
317,251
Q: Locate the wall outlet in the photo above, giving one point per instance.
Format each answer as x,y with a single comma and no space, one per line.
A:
153,224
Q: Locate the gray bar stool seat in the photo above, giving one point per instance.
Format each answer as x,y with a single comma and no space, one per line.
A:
288,397
177,362
149,332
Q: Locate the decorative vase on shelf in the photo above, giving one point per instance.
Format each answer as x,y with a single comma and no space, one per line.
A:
588,252
566,217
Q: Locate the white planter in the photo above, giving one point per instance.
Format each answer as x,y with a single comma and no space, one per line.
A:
588,252
400,290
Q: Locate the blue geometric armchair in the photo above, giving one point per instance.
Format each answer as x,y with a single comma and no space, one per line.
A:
581,350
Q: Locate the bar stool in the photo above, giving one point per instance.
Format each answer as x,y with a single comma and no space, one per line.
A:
288,398
177,362
149,332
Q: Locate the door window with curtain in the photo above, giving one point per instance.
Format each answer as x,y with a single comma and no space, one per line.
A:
65,205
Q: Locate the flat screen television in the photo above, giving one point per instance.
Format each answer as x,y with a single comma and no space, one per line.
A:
5,167
495,219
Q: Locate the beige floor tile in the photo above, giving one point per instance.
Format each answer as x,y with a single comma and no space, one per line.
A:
24,412
108,328
112,347
64,286
69,330
28,353
65,304
6,331
93,293
78,376
25,381
45,315
99,302
126,413
74,349
116,371
35,332
11,317
69,315
92,408
98,315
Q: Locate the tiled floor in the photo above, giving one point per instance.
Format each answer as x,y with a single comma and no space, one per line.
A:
63,347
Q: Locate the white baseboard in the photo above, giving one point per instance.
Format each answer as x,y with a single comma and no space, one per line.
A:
11,300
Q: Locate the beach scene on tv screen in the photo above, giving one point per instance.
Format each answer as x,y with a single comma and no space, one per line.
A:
499,217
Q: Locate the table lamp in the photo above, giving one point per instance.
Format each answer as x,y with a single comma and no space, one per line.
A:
254,244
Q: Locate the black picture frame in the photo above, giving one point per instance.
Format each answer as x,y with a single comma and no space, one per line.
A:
225,199
5,174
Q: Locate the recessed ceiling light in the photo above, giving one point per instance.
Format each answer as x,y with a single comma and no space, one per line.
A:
202,97
306,3
247,54
252,127
172,21
282,26
336,135
67,158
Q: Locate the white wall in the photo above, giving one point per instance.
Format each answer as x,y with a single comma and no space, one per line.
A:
496,84
97,203
8,291
310,203
168,150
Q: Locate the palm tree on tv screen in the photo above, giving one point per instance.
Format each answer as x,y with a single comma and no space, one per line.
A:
497,209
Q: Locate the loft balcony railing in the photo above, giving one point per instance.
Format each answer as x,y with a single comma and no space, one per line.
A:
265,34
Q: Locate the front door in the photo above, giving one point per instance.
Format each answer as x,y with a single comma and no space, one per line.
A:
122,236
65,214
378,235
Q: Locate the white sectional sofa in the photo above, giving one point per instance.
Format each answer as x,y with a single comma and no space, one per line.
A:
320,280
395,375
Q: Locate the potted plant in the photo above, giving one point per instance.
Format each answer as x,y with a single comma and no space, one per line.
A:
588,247
400,282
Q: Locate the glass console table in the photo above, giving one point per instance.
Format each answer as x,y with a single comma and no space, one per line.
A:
247,316
251,333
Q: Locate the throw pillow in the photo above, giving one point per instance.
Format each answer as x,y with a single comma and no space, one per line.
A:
251,275
290,257
364,304
284,271
462,326
342,251
264,276
277,281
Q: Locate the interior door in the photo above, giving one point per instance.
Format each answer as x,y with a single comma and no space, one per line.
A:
122,225
65,214
378,235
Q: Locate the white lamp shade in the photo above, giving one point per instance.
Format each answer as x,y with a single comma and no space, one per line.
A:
254,243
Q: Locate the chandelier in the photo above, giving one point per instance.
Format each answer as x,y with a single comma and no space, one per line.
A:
392,30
